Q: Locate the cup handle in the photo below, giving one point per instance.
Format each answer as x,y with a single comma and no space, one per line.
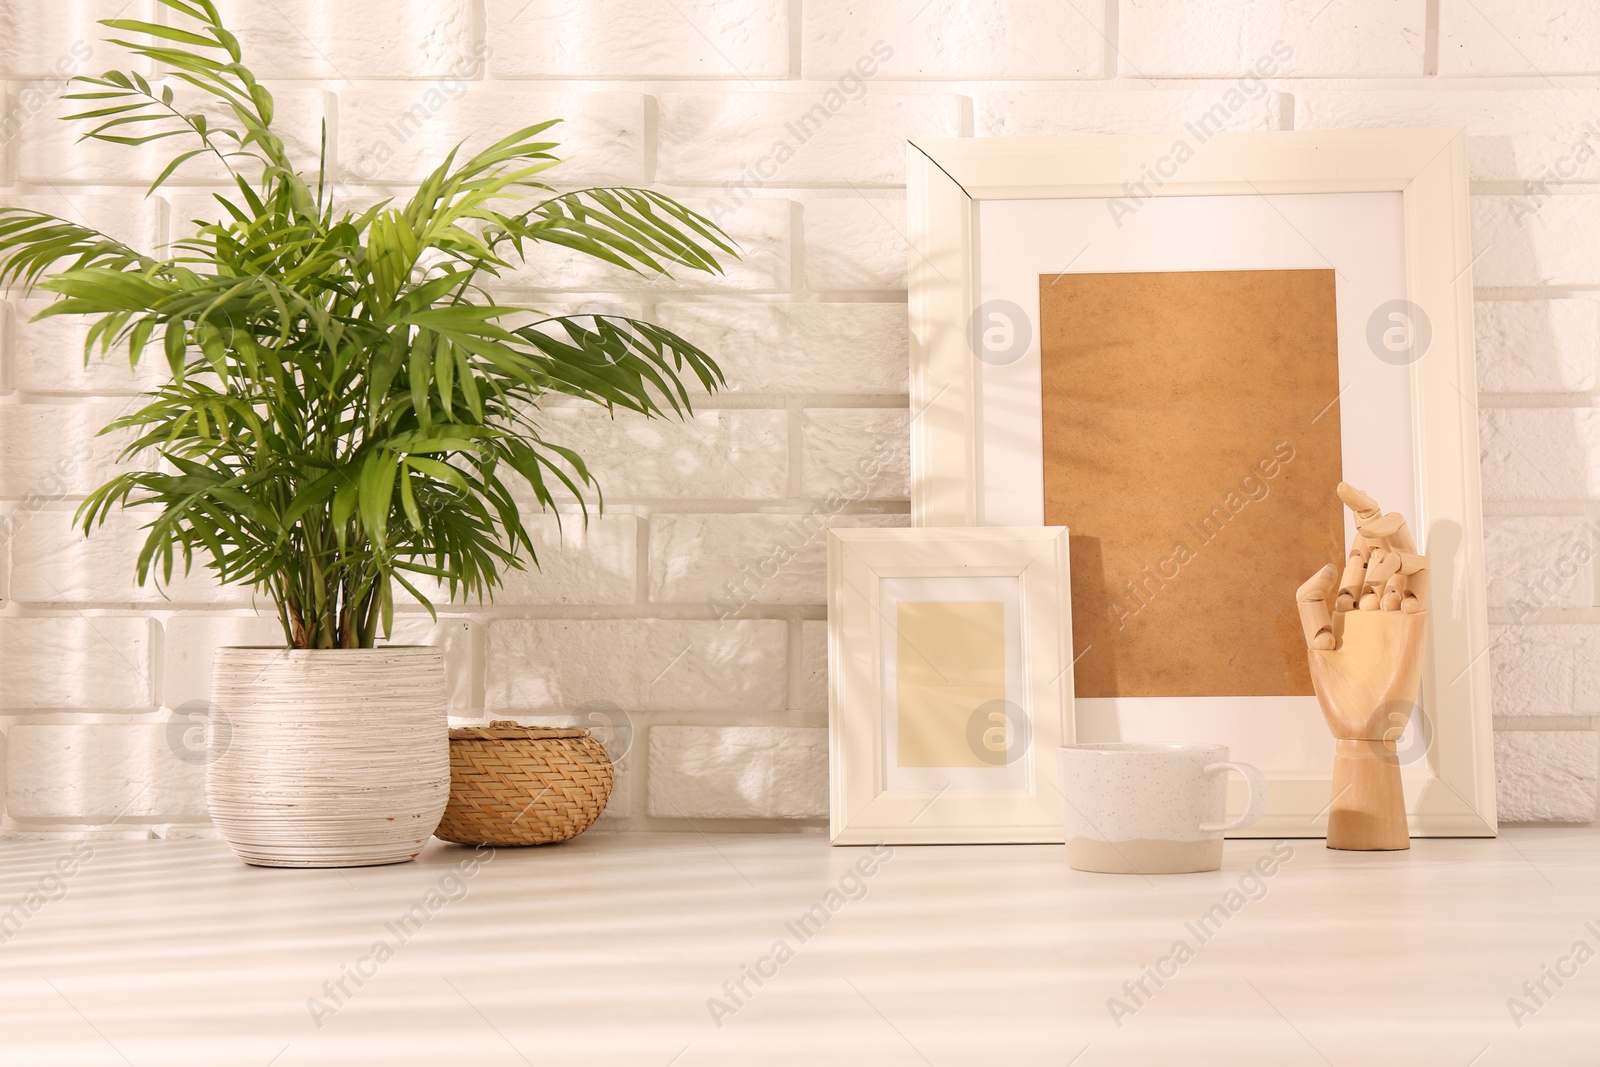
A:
1258,797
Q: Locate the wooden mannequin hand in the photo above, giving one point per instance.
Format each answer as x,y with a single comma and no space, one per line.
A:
1366,653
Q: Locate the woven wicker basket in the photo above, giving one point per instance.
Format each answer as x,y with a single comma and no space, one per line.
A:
524,785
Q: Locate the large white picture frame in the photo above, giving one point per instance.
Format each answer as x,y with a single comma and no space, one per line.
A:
1009,795
1429,420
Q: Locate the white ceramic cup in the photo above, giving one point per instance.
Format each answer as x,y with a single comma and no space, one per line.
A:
1151,808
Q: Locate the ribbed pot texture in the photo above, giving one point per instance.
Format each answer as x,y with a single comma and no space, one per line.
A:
328,757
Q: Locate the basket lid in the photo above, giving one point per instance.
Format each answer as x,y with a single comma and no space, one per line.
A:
507,730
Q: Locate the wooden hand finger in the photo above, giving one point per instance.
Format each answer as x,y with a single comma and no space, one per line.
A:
1383,527
1312,601
1401,541
1394,593
1373,579
1355,569
1380,568
1364,506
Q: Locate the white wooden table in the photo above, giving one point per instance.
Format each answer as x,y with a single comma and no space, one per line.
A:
632,949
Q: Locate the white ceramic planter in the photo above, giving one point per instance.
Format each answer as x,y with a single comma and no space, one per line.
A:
328,757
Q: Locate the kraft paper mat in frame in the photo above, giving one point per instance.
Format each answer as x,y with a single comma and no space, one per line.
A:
1190,432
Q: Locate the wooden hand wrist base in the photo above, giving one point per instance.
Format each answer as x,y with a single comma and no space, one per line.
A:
1368,813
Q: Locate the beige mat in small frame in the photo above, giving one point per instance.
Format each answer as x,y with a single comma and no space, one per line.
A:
950,684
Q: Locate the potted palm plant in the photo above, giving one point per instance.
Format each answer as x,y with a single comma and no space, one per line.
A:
350,412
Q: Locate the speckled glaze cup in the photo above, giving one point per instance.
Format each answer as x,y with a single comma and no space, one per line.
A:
1151,808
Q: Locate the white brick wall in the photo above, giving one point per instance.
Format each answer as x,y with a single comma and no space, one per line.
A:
738,772
742,39
578,563
310,39
78,662
118,772
403,134
742,454
1517,37
1541,560
800,348
53,562
1538,346
855,242
1226,38
1547,776
1517,134
834,442
1544,454
31,47
1534,240
1533,674
832,139
787,122
811,692
1039,113
735,560
999,39
542,666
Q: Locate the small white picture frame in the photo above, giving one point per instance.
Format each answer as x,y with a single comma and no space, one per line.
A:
923,623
